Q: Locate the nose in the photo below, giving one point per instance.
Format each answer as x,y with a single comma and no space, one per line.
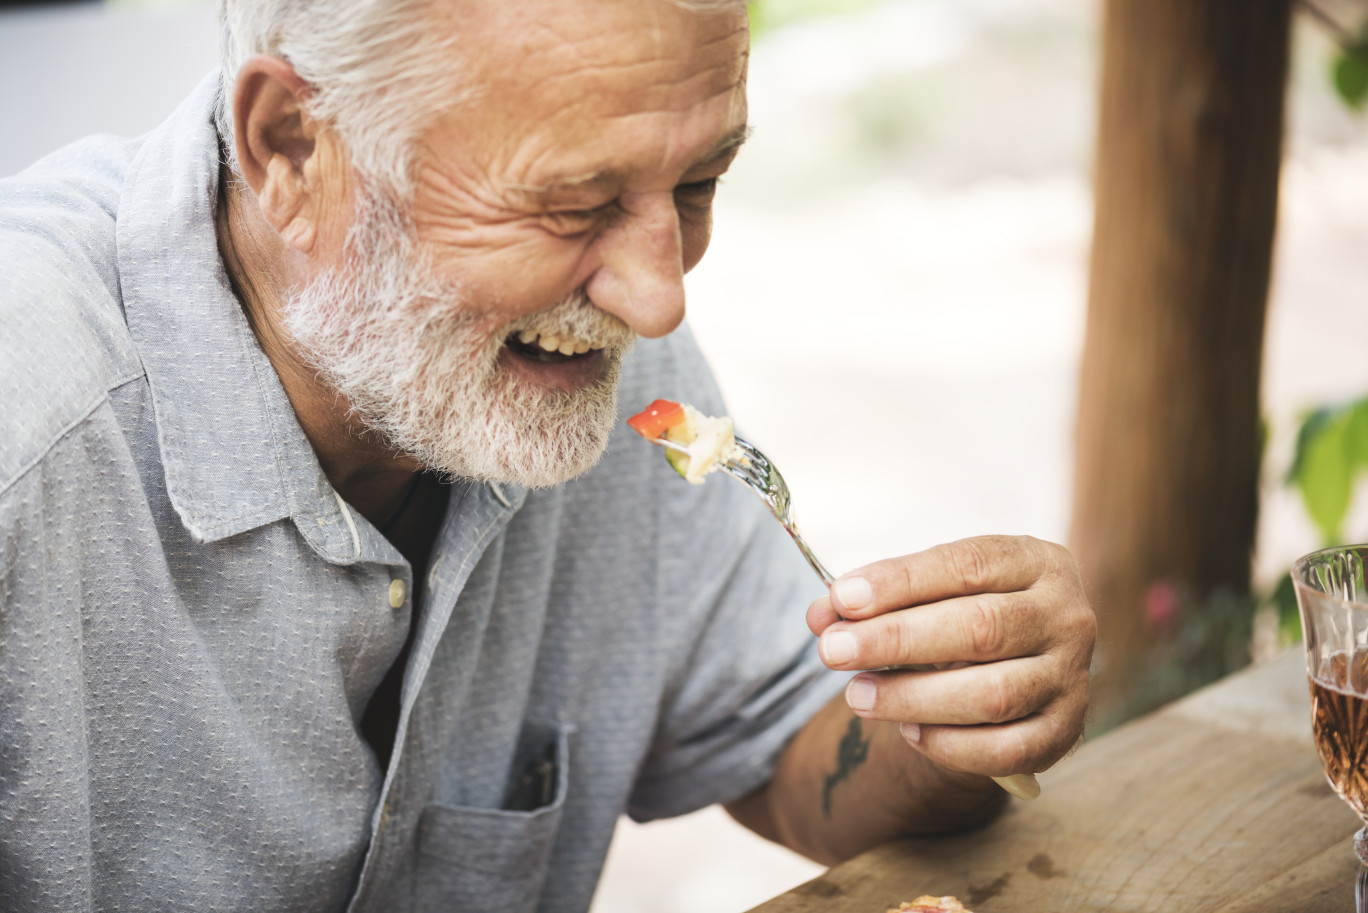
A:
640,273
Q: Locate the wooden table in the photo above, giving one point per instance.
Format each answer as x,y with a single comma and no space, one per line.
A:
1214,804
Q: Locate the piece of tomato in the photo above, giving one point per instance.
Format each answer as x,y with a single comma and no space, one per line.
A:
657,418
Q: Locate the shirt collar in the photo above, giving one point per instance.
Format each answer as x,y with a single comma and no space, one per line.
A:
234,455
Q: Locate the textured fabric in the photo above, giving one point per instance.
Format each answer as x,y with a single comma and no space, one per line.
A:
192,622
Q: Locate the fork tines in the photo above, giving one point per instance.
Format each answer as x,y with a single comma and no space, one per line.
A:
753,468
760,475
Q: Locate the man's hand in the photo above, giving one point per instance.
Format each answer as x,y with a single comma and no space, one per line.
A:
1006,623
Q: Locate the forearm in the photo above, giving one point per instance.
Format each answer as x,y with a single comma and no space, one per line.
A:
845,785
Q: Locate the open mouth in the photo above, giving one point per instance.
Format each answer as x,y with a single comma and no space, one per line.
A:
547,348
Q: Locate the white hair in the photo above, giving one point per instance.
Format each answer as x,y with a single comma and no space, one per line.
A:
375,67
380,70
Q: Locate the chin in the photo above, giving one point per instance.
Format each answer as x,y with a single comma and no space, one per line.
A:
519,428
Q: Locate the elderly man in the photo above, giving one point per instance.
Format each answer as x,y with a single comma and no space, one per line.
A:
328,580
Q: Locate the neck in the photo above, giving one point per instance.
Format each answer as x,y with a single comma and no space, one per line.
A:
368,474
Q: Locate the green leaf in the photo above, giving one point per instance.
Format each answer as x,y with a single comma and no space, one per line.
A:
1325,473
1284,601
1350,75
759,17
1358,434
768,15
1350,72
1310,427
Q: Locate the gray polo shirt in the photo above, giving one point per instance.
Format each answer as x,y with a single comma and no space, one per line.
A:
192,622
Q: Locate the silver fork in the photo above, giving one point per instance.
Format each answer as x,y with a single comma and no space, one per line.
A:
758,473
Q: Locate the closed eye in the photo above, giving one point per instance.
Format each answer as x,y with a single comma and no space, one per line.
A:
574,221
699,188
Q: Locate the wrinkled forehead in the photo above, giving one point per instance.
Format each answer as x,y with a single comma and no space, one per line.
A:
610,58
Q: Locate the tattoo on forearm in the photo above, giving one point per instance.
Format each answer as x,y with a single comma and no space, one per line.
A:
850,754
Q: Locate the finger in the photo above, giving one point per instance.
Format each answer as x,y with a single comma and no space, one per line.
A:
971,695
821,615
1028,745
976,629
986,564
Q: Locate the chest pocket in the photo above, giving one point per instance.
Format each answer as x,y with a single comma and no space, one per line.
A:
484,859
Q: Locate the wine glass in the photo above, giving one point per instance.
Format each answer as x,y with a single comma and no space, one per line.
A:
1333,599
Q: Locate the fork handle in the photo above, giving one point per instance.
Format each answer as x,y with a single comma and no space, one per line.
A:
792,529
1023,786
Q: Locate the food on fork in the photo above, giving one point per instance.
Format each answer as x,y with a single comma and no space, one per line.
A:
709,442
929,904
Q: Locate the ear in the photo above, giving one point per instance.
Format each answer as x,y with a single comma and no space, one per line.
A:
286,156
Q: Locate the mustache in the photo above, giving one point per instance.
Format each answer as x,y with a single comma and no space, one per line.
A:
577,317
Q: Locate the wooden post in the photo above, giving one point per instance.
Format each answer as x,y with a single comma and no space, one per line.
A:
1168,434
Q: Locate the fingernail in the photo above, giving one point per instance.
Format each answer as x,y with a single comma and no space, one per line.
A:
838,648
860,694
911,731
853,592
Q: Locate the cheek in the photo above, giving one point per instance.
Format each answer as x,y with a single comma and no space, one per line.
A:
517,277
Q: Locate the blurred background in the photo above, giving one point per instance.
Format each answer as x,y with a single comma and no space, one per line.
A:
895,297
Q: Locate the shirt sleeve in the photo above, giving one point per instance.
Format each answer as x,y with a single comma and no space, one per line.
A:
45,812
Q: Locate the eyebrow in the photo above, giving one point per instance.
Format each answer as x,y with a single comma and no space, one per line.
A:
733,140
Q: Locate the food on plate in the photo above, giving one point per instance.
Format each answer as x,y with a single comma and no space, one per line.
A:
929,904
708,441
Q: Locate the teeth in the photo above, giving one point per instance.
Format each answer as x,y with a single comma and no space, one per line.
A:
553,343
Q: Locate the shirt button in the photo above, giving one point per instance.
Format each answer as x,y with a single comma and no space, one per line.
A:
396,593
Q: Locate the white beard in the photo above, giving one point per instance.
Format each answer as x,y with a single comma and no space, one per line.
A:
407,352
